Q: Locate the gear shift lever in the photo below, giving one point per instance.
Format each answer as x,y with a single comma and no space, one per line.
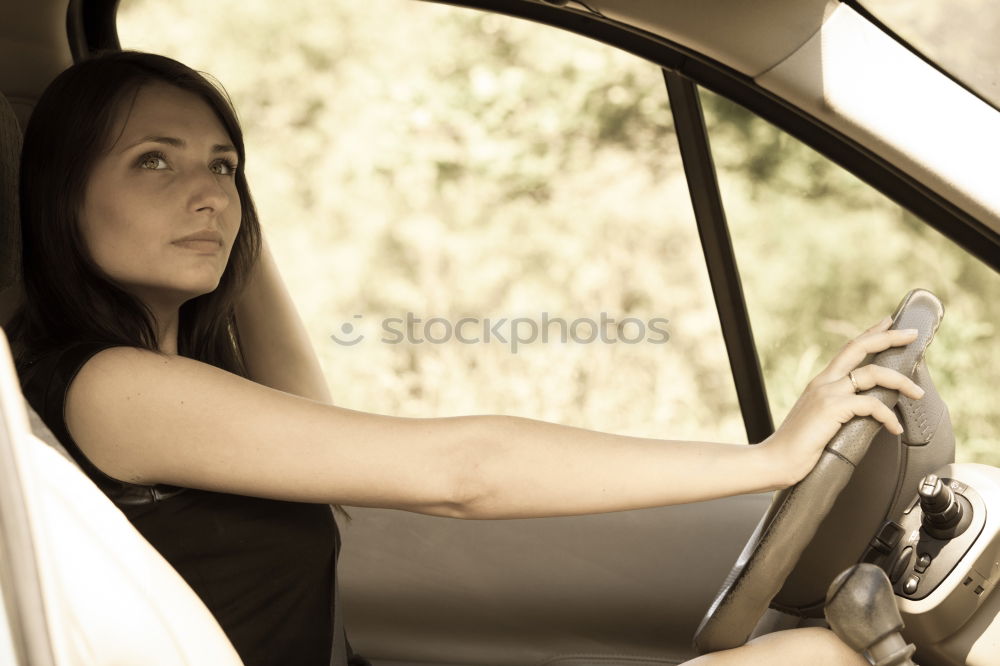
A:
944,516
861,610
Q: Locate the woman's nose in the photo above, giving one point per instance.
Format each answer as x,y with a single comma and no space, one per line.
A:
208,191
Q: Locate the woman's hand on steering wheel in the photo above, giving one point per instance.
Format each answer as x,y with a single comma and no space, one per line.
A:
831,399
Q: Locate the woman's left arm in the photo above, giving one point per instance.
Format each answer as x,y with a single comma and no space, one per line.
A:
275,344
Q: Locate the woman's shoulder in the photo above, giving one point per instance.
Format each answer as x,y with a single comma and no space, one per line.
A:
46,373
52,353
43,363
137,413
52,367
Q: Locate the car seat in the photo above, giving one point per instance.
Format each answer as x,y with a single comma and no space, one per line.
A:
80,585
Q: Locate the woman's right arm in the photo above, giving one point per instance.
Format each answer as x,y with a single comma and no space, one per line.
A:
147,419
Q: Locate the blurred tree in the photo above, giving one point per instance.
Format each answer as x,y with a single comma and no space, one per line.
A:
408,156
822,253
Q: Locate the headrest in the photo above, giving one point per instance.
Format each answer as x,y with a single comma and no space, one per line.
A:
10,225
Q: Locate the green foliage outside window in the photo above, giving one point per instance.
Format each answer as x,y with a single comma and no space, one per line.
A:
407,156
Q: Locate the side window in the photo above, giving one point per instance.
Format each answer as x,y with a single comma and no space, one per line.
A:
821,254
491,220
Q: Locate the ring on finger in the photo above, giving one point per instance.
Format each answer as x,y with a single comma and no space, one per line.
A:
854,382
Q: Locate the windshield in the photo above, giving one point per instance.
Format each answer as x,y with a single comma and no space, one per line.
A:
958,35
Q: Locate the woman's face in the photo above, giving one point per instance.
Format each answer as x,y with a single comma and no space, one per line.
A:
170,174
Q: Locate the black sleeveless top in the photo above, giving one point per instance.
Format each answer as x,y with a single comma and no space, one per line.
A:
263,567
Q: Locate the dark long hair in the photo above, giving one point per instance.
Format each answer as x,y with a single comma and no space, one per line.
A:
67,297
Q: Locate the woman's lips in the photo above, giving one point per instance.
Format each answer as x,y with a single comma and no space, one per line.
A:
200,245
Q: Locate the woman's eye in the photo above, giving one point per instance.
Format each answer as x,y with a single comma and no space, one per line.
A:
152,162
224,168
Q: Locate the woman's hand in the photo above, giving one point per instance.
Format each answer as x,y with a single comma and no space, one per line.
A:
830,400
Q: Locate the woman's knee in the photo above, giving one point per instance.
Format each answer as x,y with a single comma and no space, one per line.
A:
812,645
808,645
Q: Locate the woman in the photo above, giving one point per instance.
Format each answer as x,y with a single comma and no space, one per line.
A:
159,344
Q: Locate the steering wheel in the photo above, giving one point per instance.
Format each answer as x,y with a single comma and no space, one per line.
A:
796,513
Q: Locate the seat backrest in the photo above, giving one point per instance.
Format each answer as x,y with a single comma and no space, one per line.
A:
10,226
10,241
